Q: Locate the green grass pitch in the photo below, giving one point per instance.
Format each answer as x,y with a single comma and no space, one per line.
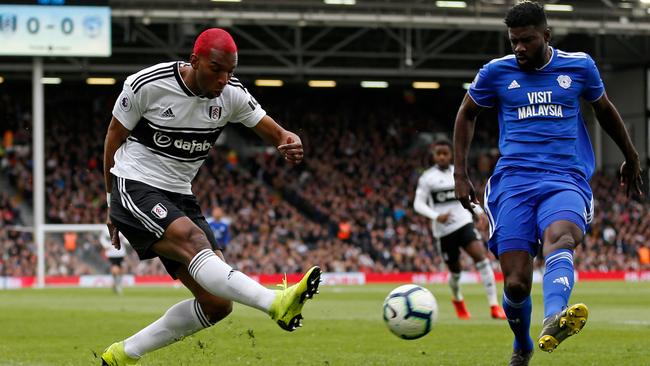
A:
342,326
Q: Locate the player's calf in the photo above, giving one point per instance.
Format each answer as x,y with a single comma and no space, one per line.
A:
215,309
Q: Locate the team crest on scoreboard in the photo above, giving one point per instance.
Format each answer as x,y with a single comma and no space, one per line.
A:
92,26
8,23
564,81
159,211
215,112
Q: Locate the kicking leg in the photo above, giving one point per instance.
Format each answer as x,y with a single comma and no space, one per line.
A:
187,244
560,322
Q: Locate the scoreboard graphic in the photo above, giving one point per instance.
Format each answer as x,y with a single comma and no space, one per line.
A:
44,30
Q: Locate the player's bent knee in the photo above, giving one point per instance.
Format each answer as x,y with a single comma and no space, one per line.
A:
197,239
192,241
566,240
214,308
517,289
563,235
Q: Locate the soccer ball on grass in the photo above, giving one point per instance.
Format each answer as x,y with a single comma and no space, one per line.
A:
410,311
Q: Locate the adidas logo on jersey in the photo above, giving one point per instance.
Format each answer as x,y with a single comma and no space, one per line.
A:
513,85
168,113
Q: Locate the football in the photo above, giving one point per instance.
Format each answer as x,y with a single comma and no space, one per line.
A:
410,311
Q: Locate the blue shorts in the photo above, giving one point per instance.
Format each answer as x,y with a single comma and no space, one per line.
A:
521,204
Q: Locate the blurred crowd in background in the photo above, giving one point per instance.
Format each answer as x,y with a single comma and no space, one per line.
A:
347,207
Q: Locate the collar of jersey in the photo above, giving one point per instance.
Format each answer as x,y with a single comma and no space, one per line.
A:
444,170
181,82
549,60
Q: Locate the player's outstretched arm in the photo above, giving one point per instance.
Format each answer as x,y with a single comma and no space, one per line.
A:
610,120
115,137
287,142
463,133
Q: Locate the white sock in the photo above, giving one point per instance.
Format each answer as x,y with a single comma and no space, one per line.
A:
454,284
218,278
487,276
179,321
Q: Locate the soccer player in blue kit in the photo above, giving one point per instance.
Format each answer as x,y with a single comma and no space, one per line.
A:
539,194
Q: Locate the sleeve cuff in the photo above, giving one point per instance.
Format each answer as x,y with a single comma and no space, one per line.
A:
254,119
477,103
596,99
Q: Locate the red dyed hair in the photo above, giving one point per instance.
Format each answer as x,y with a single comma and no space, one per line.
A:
216,38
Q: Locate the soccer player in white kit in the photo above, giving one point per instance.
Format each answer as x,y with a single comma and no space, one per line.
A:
115,257
453,226
164,123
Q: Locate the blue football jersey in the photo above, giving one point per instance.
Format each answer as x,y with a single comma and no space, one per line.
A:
220,231
540,123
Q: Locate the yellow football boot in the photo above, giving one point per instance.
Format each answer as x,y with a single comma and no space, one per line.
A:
115,356
562,325
289,301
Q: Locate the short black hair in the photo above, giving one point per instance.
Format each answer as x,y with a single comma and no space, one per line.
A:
524,14
443,142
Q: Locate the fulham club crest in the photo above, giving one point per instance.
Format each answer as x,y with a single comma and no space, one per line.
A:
215,112
159,211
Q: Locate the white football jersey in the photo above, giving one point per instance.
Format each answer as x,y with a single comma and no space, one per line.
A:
172,129
435,196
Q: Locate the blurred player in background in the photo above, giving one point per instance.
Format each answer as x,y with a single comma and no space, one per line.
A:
219,227
453,227
115,257
539,192
164,123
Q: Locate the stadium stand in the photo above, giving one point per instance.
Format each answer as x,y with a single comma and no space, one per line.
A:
348,207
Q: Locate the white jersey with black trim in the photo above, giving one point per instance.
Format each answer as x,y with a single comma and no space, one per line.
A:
435,196
172,129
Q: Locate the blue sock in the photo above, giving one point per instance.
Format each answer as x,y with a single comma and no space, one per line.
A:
518,314
558,281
